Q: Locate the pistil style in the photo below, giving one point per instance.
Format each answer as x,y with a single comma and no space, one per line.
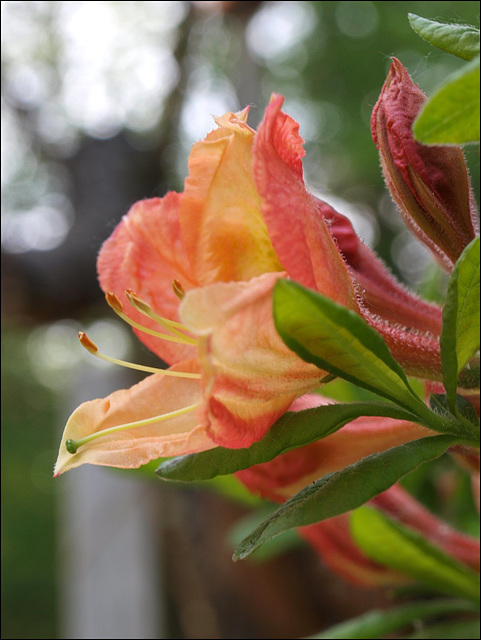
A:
73,445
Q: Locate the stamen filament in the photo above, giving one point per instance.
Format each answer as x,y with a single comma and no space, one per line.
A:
88,344
146,309
73,445
179,337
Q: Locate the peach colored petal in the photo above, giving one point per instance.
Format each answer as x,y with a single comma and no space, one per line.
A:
298,232
145,253
289,473
155,395
220,215
250,376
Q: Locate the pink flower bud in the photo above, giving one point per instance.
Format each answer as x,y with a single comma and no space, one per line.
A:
430,184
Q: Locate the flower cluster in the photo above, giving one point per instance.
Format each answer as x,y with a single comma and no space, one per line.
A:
194,274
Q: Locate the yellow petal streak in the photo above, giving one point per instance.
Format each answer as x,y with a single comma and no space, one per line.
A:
221,208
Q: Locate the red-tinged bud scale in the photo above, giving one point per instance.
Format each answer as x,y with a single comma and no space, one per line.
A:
430,184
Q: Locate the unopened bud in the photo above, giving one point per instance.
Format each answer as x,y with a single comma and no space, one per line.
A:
429,184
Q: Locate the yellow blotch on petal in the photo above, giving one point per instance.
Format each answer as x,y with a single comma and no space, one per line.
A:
220,211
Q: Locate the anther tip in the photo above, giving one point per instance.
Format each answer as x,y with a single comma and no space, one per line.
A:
137,302
113,301
178,289
87,343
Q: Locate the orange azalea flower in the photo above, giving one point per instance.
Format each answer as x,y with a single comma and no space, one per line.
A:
193,273
244,220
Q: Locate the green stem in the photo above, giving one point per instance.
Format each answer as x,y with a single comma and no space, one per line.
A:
447,424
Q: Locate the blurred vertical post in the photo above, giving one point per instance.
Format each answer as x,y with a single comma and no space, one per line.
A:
109,556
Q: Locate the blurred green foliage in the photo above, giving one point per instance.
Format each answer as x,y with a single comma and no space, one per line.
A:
340,69
28,448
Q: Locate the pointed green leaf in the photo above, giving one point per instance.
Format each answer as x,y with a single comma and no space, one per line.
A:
283,543
294,429
339,341
460,334
459,39
344,490
451,116
403,549
378,623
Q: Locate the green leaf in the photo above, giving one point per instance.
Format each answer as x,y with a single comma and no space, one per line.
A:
459,39
338,340
294,429
275,547
378,623
347,489
403,549
460,333
451,116
454,629
464,409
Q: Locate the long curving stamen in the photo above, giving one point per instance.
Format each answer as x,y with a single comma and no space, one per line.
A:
146,309
88,344
115,304
73,445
